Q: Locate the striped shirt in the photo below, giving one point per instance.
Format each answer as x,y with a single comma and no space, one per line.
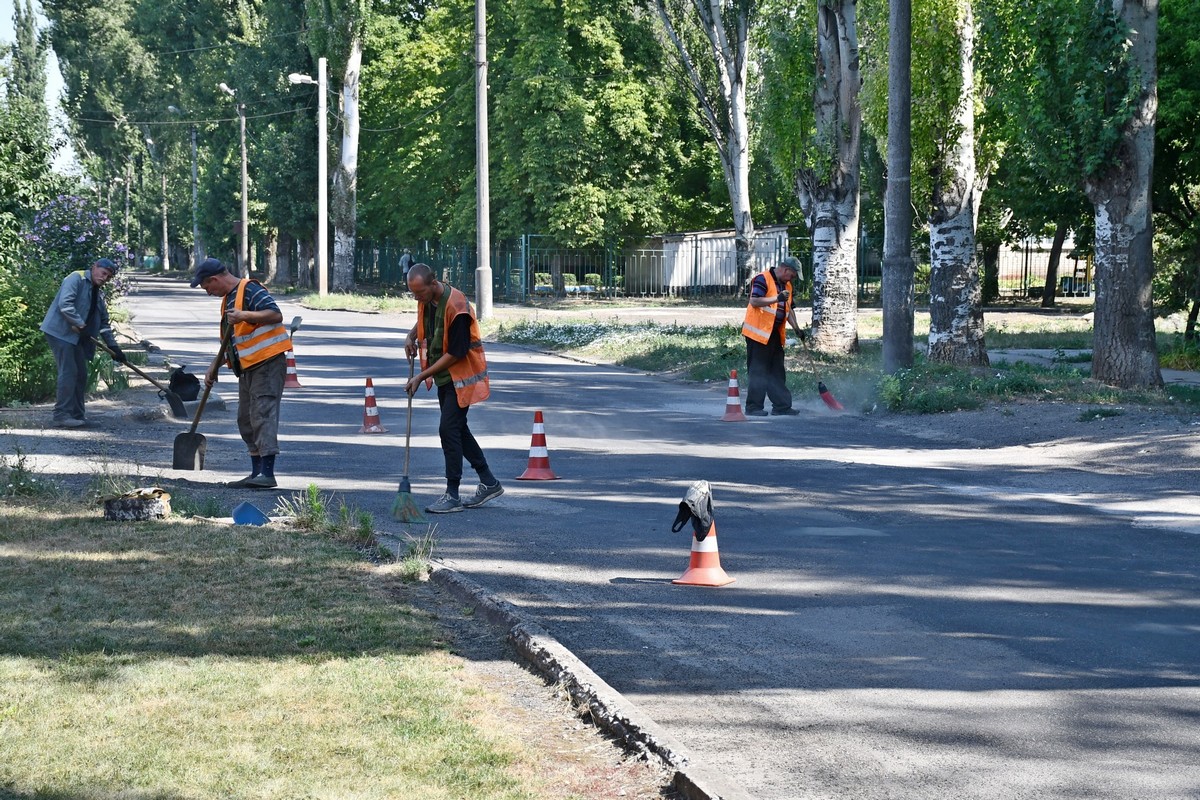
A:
256,298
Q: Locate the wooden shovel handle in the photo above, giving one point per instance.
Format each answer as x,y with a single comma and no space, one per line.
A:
216,362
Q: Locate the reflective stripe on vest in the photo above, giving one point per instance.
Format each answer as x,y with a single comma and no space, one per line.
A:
760,322
256,343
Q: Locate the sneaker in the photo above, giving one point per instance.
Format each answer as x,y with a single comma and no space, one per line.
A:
70,423
785,412
445,505
758,412
261,482
483,494
241,483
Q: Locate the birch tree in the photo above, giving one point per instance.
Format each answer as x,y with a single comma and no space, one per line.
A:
814,132
1083,79
722,27
338,29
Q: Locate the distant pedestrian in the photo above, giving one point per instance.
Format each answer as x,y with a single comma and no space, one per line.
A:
769,308
406,262
258,357
456,363
78,314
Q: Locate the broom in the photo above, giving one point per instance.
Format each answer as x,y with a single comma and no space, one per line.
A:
823,390
403,507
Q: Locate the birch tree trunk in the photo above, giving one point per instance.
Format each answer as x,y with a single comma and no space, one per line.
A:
343,205
1050,288
726,25
830,199
270,255
1124,351
304,265
955,294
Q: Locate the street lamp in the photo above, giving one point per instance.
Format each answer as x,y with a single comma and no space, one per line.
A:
197,247
162,168
243,244
322,173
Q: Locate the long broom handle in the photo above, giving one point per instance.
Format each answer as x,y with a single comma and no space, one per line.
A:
408,424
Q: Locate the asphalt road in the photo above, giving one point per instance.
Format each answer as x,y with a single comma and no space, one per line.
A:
910,618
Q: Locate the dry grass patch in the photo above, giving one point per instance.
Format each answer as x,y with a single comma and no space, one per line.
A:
183,659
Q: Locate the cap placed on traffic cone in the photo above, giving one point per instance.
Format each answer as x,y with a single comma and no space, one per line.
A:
291,381
704,569
539,456
733,403
371,423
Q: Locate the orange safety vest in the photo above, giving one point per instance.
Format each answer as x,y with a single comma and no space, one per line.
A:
760,322
469,375
253,344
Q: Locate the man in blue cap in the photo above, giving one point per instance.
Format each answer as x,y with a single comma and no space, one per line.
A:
767,314
77,314
257,355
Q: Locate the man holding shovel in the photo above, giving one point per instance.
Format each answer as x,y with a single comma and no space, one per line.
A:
77,314
770,307
258,357
455,362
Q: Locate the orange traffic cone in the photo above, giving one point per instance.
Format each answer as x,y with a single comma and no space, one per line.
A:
371,423
733,403
704,569
292,381
539,457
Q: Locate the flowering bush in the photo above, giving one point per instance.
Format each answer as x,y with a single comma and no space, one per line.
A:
70,233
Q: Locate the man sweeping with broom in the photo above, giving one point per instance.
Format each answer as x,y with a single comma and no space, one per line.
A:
769,309
455,362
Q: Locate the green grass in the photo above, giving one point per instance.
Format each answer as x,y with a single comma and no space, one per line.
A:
709,353
184,659
381,303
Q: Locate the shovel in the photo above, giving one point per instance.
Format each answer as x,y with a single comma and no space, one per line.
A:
177,409
190,446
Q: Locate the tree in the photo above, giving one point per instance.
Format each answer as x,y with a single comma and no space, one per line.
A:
1083,81
27,78
814,124
719,87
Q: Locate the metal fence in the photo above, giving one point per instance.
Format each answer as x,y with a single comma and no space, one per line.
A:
536,266
702,264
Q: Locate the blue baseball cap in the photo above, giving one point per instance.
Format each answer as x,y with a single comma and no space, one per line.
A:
208,267
106,264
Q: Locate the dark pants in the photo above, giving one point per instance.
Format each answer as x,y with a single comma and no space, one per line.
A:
457,440
260,391
72,361
764,363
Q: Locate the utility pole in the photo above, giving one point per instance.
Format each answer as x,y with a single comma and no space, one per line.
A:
322,171
244,234
483,268
898,302
197,245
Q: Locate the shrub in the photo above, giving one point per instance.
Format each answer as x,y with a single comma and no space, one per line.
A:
541,278
593,279
569,279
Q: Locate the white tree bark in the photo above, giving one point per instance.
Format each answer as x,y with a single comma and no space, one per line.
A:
1124,351
723,107
830,198
955,297
343,206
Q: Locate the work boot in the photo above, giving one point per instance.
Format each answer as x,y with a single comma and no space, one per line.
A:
445,505
758,412
483,494
785,412
242,483
70,422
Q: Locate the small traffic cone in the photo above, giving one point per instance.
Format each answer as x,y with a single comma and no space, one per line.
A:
733,403
371,423
704,569
539,457
291,381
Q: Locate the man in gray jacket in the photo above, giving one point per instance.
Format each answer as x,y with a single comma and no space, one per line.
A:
77,314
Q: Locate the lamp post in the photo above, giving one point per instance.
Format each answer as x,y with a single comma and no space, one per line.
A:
162,168
197,247
244,238
322,173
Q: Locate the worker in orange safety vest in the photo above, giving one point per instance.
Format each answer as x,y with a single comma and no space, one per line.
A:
769,308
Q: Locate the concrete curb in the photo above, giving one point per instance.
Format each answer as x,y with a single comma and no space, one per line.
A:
607,707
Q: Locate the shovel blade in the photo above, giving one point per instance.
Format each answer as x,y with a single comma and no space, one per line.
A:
189,451
178,410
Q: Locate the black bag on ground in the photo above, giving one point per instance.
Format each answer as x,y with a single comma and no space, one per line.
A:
184,384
